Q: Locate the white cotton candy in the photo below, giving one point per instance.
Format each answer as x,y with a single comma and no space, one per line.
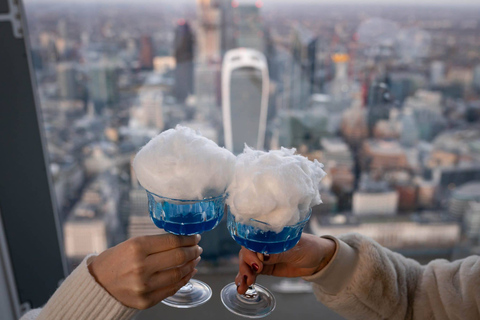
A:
276,187
181,164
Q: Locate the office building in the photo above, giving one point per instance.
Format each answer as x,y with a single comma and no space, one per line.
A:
459,202
374,197
378,104
476,78
375,203
146,53
245,94
383,155
68,81
409,133
164,64
103,85
148,110
209,31
341,87
437,73
139,221
249,31
93,224
472,222
302,74
297,128
395,232
428,113
354,123
184,55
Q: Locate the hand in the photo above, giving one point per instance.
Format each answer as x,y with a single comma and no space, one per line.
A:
310,255
143,271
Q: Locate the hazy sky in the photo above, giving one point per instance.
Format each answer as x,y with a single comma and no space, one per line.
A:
272,2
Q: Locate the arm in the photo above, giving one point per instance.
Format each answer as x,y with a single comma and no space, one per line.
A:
81,297
366,281
360,279
136,274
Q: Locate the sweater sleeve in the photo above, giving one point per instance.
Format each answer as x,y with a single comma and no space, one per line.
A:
366,281
81,297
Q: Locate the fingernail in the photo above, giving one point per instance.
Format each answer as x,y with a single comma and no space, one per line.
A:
197,260
255,267
238,284
200,249
266,257
199,237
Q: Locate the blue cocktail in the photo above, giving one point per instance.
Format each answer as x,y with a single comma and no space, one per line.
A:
255,235
187,217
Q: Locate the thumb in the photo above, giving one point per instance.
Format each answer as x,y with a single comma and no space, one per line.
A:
270,259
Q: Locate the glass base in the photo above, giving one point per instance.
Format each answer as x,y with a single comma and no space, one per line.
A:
257,302
193,294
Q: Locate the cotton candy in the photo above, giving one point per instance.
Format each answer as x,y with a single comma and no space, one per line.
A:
181,164
276,187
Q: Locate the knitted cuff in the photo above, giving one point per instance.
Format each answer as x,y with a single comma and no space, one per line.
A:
338,272
81,297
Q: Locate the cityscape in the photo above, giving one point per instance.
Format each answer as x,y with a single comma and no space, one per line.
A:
387,97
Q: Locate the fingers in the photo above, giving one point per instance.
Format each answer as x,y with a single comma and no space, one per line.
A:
171,276
151,299
163,242
272,259
171,258
248,269
251,259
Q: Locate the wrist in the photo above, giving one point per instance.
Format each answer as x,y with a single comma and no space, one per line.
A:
93,270
327,248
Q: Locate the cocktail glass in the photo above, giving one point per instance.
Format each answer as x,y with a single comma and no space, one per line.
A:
258,301
187,217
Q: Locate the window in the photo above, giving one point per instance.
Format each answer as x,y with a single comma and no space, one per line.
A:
387,96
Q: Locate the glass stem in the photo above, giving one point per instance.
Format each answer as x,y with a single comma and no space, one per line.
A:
186,288
251,292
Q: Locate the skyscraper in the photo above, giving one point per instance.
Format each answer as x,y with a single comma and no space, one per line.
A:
183,51
103,86
249,30
146,53
208,56
67,81
476,78
409,134
209,31
302,77
340,84
245,90
378,104
437,73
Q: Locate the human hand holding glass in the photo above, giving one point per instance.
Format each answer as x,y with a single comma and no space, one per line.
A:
255,301
142,271
187,217
309,256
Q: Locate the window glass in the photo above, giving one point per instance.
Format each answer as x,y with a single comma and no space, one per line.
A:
386,95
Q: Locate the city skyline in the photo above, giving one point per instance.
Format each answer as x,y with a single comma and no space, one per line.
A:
272,3
391,114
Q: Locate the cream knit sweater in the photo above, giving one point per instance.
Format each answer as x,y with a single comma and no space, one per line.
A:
362,281
366,281
81,297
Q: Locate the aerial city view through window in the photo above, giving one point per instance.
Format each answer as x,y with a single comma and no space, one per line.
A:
387,96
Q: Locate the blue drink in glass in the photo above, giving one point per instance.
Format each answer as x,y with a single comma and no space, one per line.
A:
254,237
187,217
258,301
